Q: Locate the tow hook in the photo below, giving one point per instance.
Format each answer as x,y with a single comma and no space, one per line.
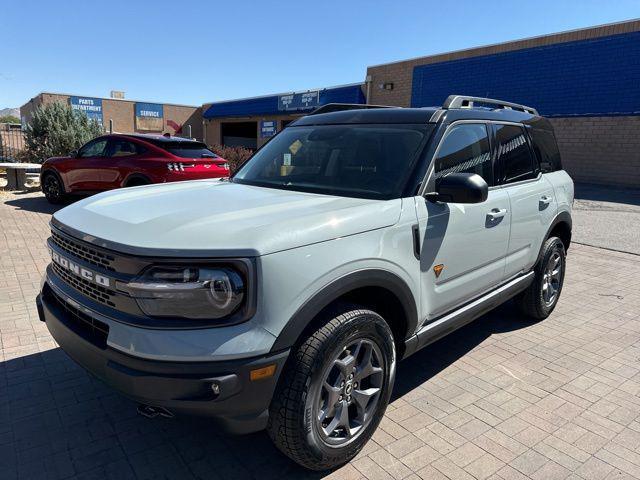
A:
152,412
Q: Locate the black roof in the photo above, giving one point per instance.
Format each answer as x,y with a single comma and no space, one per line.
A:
158,138
412,115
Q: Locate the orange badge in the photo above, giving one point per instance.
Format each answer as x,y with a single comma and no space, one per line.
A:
438,270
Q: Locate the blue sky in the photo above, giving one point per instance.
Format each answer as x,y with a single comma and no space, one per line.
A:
202,51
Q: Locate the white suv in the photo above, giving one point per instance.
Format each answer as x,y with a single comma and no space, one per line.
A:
281,299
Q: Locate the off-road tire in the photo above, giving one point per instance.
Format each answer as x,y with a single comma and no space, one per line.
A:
292,425
531,302
53,188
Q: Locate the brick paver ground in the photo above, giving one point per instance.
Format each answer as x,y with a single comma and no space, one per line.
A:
500,399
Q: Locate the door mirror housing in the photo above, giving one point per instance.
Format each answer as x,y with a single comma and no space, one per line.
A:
460,188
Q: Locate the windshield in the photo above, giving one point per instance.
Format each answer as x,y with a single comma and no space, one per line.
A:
370,161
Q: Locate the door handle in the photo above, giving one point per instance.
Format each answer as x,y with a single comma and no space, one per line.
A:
496,213
545,200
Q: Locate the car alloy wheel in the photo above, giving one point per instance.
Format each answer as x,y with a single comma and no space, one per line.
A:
350,392
552,278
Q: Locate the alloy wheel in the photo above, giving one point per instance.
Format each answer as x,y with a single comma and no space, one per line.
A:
51,187
552,278
350,392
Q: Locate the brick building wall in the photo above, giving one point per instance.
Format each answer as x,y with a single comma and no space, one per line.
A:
604,150
122,112
585,71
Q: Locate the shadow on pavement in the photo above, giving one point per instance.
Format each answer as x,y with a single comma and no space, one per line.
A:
56,421
38,204
602,193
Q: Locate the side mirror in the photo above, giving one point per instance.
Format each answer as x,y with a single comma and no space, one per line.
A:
460,188
73,153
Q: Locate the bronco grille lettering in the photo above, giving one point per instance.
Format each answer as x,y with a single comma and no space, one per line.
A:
78,270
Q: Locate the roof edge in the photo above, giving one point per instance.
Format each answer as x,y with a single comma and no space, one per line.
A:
509,42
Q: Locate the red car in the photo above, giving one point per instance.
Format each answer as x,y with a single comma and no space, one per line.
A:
114,161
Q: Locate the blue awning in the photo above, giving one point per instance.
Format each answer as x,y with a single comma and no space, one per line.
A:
286,103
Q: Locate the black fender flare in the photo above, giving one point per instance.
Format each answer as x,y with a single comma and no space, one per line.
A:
136,176
341,286
47,171
562,217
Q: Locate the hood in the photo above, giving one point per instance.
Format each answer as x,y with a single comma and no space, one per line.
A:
219,218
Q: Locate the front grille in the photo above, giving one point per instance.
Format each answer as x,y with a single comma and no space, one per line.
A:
91,290
87,327
88,254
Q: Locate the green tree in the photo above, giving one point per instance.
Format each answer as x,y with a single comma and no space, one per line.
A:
56,129
9,119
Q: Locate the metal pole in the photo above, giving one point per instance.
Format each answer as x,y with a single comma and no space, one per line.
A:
111,125
189,131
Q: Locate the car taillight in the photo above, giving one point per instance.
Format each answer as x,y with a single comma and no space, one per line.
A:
175,167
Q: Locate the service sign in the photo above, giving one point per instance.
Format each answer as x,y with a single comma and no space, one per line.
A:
149,117
299,101
91,107
267,128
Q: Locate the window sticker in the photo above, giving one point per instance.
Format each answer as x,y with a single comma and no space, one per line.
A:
295,146
286,159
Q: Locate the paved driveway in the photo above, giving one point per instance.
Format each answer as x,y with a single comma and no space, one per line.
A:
500,398
607,217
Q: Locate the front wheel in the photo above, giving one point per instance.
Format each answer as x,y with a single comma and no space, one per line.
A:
541,297
334,390
53,189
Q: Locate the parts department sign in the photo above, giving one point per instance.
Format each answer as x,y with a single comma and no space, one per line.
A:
149,117
299,101
91,107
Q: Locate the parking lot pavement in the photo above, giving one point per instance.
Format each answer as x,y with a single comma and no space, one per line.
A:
607,217
501,398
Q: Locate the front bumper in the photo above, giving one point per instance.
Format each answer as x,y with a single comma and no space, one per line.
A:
241,406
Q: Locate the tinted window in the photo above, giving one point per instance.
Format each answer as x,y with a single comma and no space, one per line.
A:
546,148
123,148
465,149
187,149
514,153
95,148
370,161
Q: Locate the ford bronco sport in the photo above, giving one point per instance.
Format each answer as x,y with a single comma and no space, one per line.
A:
283,298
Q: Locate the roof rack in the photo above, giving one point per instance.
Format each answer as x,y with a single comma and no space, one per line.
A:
463,101
339,107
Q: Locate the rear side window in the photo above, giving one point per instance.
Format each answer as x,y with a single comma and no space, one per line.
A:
546,148
465,149
514,154
187,149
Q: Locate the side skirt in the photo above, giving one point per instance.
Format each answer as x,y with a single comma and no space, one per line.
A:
437,329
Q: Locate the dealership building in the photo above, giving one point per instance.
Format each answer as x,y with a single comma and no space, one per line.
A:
250,122
126,116
585,81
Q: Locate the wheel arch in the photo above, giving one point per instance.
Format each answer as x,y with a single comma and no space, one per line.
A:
561,228
376,289
52,171
136,176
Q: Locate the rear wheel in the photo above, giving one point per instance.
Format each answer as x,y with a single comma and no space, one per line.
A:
52,188
334,390
137,181
541,297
